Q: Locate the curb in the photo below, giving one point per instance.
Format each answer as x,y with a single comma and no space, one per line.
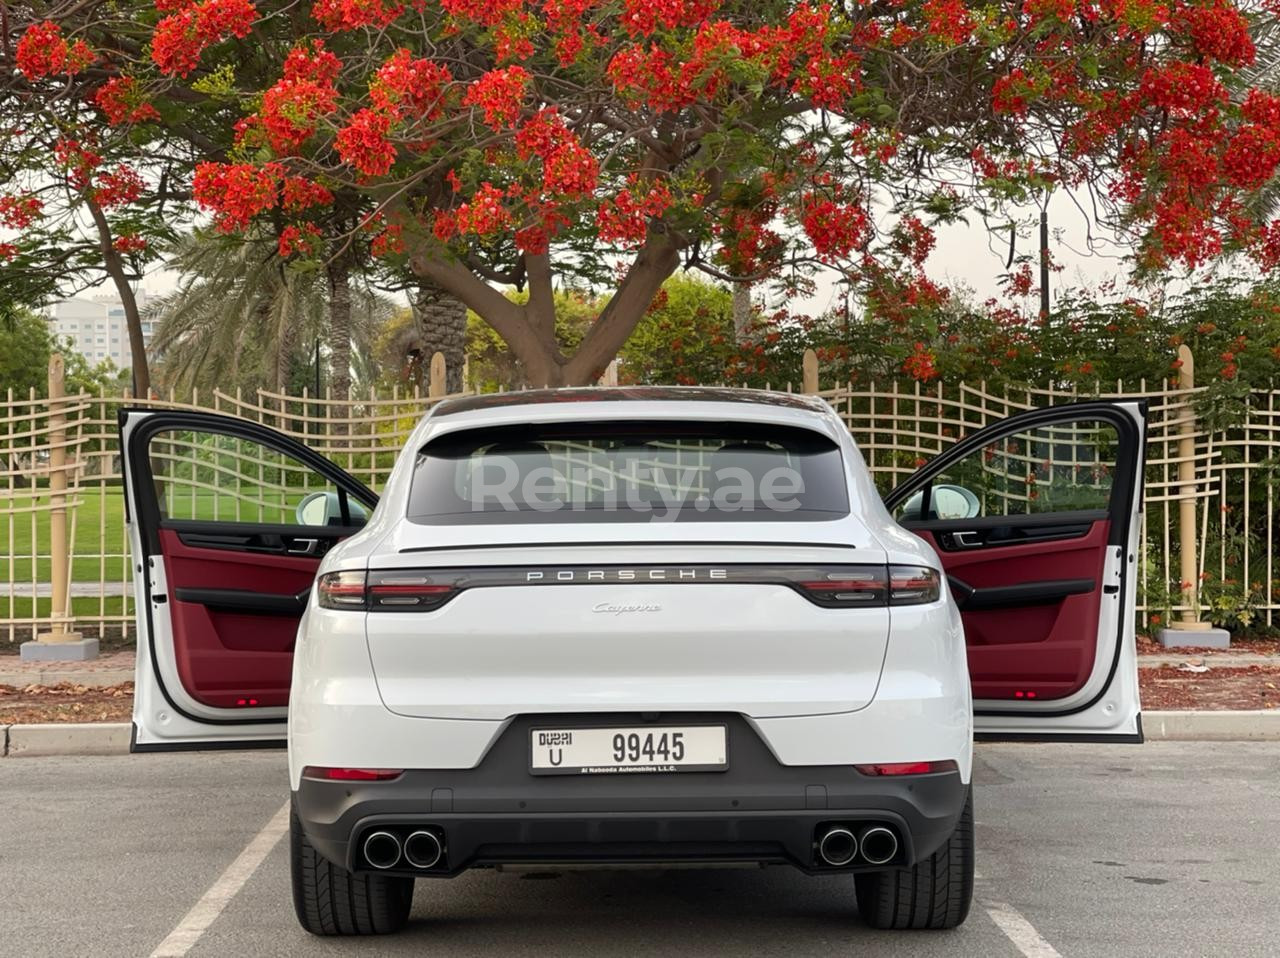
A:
1186,726
66,738
99,679
112,738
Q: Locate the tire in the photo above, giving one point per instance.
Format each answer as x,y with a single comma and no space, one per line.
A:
333,901
934,894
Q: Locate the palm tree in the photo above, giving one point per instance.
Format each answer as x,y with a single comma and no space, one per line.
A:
242,317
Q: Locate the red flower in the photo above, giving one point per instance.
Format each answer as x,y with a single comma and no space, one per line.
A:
571,170
404,82
499,94
484,215
389,241
835,229
120,100
920,365
235,192
341,15
541,134
180,38
625,219
363,143
19,212
1184,88
129,243
117,187
298,193
948,20
303,240
43,51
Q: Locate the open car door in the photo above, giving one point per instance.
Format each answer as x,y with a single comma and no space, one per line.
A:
228,522
1036,522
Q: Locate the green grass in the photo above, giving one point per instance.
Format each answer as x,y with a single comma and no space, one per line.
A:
99,530
89,607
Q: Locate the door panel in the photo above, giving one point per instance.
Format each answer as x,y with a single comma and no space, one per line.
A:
234,651
1034,521
230,521
1030,613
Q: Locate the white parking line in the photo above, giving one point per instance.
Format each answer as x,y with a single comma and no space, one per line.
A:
220,893
1019,931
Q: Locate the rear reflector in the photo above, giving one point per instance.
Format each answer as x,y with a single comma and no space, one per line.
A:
908,768
351,774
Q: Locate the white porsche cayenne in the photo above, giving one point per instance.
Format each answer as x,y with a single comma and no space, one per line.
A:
633,626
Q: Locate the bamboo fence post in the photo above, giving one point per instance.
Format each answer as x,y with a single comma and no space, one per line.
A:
57,642
810,372
1189,619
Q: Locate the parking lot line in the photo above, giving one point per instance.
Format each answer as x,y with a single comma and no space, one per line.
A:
210,906
1019,931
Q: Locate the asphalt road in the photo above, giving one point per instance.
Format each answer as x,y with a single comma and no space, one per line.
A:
1166,849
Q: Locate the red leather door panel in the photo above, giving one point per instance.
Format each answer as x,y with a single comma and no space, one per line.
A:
227,658
1037,650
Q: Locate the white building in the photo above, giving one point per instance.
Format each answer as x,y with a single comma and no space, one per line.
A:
96,328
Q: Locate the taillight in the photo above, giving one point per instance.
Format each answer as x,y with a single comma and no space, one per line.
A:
409,591
908,768
385,591
351,774
843,587
341,590
913,585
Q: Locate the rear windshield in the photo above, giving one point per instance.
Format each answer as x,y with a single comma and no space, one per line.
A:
628,472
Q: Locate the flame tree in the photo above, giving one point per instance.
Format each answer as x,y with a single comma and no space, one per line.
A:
480,144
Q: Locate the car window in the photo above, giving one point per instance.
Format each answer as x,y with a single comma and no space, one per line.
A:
628,472
1065,467
217,477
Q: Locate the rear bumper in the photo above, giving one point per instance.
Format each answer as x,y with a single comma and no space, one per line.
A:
757,811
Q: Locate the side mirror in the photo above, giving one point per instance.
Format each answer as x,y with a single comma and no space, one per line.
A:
325,509
946,501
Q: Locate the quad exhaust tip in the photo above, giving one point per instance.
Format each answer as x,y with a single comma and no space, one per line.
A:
382,849
838,847
423,849
879,845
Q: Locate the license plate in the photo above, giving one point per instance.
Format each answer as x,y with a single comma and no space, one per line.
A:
619,751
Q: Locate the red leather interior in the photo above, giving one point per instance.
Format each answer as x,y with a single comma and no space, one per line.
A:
233,659
1042,651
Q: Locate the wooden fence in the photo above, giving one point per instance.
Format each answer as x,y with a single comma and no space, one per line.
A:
1220,482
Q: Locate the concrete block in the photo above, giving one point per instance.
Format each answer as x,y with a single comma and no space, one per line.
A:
69,738
1204,638
1258,725
78,650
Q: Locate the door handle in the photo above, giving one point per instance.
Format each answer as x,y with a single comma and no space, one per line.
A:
966,540
303,547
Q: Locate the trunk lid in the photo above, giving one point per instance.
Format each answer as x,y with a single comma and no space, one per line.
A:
670,638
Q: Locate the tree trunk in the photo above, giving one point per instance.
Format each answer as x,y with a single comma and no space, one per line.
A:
442,327
339,274
742,312
529,330
286,339
114,264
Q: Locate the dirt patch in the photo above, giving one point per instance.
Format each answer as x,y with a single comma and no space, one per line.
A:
65,703
1219,689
